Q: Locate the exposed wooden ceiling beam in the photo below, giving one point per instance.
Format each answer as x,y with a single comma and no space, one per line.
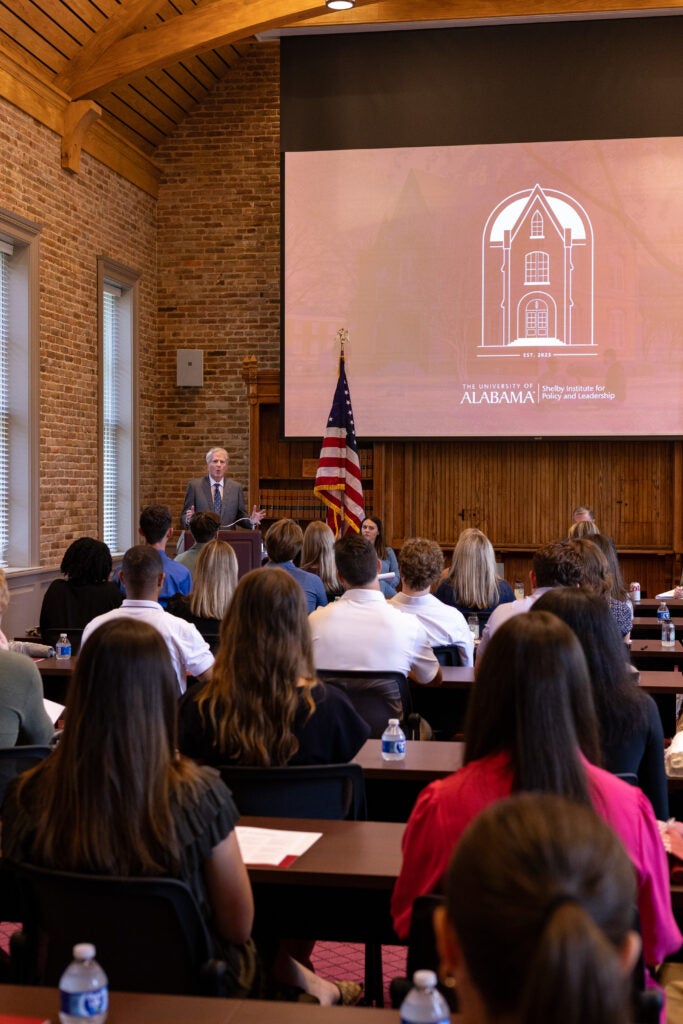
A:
404,11
218,24
128,18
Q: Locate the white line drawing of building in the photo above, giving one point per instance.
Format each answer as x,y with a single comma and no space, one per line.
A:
537,272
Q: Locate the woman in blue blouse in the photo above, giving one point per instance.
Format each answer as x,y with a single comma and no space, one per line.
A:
372,530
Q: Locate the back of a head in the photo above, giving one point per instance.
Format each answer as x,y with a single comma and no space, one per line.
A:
141,568
541,894
558,565
86,560
265,628
284,540
420,562
265,650
532,699
584,528
596,575
155,522
619,702
204,526
473,570
215,579
317,554
356,560
608,548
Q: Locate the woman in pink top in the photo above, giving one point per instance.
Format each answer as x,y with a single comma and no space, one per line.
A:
531,726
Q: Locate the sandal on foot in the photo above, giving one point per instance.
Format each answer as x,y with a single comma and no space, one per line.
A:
349,992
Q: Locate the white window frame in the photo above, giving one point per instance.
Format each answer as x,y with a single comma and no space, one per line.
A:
119,486
19,393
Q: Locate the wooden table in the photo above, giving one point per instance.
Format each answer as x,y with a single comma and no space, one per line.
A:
648,627
651,654
339,890
138,1008
56,673
649,605
392,787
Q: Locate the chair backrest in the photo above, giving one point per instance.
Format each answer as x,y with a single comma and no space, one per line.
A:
376,696
331,791
149,932
15,760
448,654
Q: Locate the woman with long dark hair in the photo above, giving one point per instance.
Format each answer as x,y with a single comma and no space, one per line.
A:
531,727
116,798
631,737
371,528
538,919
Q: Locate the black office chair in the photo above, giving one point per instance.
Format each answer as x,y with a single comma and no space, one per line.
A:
15,760
448,654
330,791
149,932
377,697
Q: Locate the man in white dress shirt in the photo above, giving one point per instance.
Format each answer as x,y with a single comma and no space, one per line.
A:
143,576
421,562
361,631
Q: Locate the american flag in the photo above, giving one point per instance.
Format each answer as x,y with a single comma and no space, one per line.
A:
337,481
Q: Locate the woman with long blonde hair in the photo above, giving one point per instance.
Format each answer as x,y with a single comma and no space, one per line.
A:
317,555
215,580
472,584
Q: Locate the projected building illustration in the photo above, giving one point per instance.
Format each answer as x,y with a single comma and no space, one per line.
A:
537,272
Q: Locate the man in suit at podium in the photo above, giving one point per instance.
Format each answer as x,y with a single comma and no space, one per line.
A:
215,493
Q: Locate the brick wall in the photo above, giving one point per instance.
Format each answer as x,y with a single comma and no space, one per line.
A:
95,213
219,265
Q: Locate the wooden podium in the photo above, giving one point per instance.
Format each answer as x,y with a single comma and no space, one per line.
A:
245,543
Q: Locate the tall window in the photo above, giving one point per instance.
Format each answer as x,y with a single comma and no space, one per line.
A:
537,268
537,225
118,403
19,306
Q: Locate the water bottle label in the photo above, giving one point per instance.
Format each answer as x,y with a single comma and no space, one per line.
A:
664,615
393,746
84,1004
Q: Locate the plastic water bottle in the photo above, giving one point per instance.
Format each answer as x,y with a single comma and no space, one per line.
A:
668,633
83,989
63,647
424,1004
663,612
473,623
393,742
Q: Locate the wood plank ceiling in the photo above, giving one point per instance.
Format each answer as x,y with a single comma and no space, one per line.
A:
137,68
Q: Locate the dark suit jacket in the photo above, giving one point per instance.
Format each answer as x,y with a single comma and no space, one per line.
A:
200,494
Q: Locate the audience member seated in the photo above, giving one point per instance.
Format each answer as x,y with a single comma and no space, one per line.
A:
421,564
284,541
115,798
584,528
215,580
142,575
531,727
372,529
596,576
203,527
472,585
263,704
538,918
619,604
317,556
86,592
23,718
631,737
155,527
152,811
362,631
555,565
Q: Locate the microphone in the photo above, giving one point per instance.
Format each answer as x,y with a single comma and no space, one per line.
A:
242,519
